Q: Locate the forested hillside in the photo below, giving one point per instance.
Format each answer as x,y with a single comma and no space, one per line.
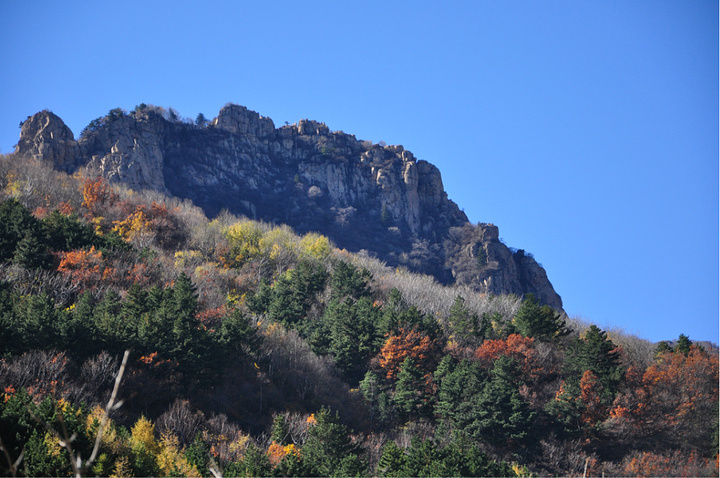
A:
253,351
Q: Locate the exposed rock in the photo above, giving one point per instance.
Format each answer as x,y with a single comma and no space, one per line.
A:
362,195
45,136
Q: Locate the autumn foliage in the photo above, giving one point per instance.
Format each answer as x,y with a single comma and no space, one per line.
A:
84,267
97,193
406,343
515,346
676,397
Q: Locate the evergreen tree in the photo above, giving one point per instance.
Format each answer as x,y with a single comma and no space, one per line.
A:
198,454
409,389
597,353
459,386
328,450
539,321
254,463
237,336
31,253
293,293
15,223
503,415
463,323
392,460
349,282
683,345
280,430
353,337
68,232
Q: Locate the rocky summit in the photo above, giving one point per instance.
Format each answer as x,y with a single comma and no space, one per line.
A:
363,196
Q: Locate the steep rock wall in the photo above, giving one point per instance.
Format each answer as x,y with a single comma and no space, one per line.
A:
362,195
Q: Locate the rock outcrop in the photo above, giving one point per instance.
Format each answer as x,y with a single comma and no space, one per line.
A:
362,195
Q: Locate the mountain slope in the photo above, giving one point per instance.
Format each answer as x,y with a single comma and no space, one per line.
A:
362,195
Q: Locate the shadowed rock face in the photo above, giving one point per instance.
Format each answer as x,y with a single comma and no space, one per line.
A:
362,195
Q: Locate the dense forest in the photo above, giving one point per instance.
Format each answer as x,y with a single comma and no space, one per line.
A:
139,337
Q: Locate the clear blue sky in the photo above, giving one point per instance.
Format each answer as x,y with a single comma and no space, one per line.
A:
587,131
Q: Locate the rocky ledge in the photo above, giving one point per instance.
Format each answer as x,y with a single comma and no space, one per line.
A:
362,195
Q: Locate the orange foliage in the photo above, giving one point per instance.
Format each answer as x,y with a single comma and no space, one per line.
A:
65,208
675,463
40,212
676,395
83,266
591,389
139,274
141,221
211,317
277,452
96,193
520,348
9,392
407,343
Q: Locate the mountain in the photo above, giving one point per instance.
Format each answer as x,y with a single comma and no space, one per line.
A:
363,196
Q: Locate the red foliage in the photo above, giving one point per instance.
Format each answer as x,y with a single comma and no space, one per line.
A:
515,346
211,317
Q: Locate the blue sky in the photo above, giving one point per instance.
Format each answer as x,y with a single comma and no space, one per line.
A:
587,131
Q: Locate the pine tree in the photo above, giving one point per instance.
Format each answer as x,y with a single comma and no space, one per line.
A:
409,389
597,353
540,322
463,323
15,223
280,430
328,450
392,460
349,281
31,253
503,416
683,345
353,337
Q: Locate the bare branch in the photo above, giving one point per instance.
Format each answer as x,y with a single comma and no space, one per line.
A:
111,405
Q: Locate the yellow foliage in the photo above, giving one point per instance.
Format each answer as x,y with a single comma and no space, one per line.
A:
110,439
185,258
171,460
521,470
273,329
133,226
240,445
14,188
122,468
315,246
277,240
52,444
143,433
244,242
234,298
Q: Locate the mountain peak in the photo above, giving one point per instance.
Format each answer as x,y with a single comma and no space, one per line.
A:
363,196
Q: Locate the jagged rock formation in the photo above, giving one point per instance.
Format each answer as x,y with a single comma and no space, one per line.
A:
362,195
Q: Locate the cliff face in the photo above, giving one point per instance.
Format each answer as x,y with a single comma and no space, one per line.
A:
362,195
